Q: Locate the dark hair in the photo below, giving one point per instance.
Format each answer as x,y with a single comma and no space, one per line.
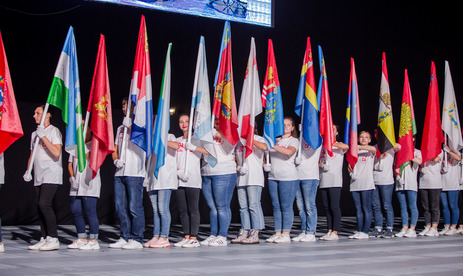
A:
337,129
294,132
51,109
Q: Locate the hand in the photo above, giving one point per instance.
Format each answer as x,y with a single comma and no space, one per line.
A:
460,180
127,122
74,183
326,167
27,176
146,182
444,169
242,170
40,131
379,167
119,163
400,181
297,161
267,167
190,146
446,149
424,170
353,176
182,176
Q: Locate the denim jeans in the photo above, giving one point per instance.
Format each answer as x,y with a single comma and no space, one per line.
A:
128,198
382,199
308,188
408,199
218,192
251,213
282,194
362,201
89,206
450,210
160,200
301,209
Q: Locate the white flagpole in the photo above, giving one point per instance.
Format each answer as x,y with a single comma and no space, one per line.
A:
301,130
37,140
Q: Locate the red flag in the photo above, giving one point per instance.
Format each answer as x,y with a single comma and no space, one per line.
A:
10,125
326,120
431,144
352,118
99,104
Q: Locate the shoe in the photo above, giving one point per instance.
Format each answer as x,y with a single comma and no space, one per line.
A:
152,241
219,241
387,234
325,236
272,238
37,245
121,242
377,233
241,236
432,233
90,245
332,237
253,238
192,243
459,231
161,243
401,233
425,231
208,240
354,235
180,243
452,231
50,244
362,236
132,244
283,238
308,238
2,248
77,244
410,234
444,230
298,237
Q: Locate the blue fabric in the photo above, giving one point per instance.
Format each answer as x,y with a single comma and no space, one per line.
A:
160,200
407,199
282,194
89,206
362,201
382,199
450,210
308,189
252,216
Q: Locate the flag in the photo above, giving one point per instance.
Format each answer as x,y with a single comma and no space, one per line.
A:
65,95
271,101
385,133
224,107
431,143
352,118
162,125
141,94
450,119
306,101
201,103
250,105
99,106
326,120
407,129
10,124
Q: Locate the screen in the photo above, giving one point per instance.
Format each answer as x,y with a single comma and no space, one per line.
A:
258,12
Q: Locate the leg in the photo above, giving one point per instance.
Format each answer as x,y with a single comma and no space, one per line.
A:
287,193
209,197
411,196
164,211
367,210
47,192
335,196
135,197
121,203
300,207
445,207
92,216
435,206
402,197
182,203
274,196
376,204
192,195
76,210
309,193
222,195
424,195
156,218
386,198
255,208
244,210
454,210
358,208
326,204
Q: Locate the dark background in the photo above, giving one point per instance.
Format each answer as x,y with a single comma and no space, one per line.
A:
411,34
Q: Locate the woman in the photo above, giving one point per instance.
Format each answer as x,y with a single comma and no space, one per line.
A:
188,193
249,187
331,185
48,176
362,185
282,182
218,184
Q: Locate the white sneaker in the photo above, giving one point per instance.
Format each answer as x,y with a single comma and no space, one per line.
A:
77,243
2,248
181,243
354,235
425,231
444,230
132,244
325,236
432,233
298,237
273,237
219,241
459,231
283,238
90,245
50,244
362,236
308,238
37,245
208,240
118,244
332,237
191,244
402,233
410,234
452,231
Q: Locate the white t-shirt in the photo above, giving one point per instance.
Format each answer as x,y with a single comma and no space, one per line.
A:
308,169
283,167
409,175
87,185
194,163
253,163
47,168
363,172
332,177
225,158
383,173
450,180
2,169
432,178
167,174
135,157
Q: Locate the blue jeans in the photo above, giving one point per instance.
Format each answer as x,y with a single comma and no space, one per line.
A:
160,200
308,189
282,194
300,207
251,213
89,204
382,199
128,198
362,201
218,192
408,199
450,210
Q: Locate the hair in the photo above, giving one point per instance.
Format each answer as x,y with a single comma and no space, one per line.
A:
337,128
294,132
51,109
365,131
183,114
125,100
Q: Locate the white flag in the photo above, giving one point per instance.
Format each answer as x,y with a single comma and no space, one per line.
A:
450,118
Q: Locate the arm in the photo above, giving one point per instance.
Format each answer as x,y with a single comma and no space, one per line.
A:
417,160
341,145
260,145
70,169
454,155
397,147
371,149
172,145
55,149
285,151
115,154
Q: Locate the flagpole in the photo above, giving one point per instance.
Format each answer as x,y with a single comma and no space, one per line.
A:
301,130
37,139
124,136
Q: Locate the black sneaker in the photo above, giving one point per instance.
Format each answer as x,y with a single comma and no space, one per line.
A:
377,233
387,234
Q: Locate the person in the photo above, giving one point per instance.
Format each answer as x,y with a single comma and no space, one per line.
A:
83,195
430,186
450,190
160,190
48,176
249,187
362,185
282,182
218,183
331,185
384,188
128,186
188,193
2,181
407,190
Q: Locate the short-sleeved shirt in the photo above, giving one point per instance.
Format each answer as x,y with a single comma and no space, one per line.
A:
450,179
383,172
167,174
308,169
283,167
410,175
134,157
225,158
255,174
333,176
363,172
194,163
88,186
432,178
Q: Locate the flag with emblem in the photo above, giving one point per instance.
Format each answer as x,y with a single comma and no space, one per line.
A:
352,118
450,118
326,119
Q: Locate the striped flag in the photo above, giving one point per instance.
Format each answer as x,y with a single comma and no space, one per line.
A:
352,118
450,118
65,95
